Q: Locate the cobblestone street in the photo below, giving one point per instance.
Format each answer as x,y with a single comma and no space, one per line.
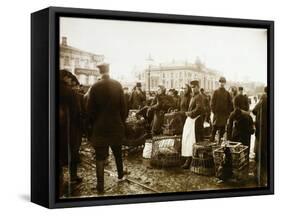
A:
144,179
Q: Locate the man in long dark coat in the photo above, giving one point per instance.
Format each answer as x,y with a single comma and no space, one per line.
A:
196,110
261,145
69,118
137,98
107,110
221,105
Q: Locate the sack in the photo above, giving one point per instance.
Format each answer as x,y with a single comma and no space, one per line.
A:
147,150
173,123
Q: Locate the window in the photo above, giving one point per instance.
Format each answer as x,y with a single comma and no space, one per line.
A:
77,63
86,63
66,61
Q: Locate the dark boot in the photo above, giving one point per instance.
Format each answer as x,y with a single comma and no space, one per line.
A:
187,163
117,152
214,131
100,176
221,134
75,179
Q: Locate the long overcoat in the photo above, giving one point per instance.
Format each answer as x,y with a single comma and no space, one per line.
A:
107,112
69,122
221,105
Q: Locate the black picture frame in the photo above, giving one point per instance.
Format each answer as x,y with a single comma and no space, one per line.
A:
44,64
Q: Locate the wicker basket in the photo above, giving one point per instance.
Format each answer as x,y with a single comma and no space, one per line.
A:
204,149
166,151
203,166
202,158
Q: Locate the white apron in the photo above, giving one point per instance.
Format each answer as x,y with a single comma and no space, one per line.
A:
188,137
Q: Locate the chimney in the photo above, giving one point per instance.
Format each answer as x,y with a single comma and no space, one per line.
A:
64,41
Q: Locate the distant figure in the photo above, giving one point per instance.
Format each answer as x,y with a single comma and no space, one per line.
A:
242,99
255,99
107,111
127,98
137,98
207,105
233,92
221,105
177,99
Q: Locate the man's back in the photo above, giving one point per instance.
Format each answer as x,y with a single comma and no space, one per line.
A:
243,101
106,107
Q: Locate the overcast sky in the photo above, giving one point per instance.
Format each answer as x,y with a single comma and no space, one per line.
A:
238,53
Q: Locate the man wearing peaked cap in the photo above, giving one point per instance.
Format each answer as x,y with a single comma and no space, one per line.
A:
195,111
221,106
103,68
106,108
194,83
222,80
243,100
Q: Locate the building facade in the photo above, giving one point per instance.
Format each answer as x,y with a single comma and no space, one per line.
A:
176,75
80,63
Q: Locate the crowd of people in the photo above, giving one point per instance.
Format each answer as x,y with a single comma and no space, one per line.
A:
100,114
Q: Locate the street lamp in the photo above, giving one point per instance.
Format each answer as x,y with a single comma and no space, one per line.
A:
149,61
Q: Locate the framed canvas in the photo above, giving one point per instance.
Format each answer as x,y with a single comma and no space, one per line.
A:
132,107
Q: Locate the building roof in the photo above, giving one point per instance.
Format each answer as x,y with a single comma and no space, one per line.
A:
74,49
183,66
94,71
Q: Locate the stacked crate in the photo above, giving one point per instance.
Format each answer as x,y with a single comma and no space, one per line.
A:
239,156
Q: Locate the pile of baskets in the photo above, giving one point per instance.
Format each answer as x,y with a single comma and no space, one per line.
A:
202,158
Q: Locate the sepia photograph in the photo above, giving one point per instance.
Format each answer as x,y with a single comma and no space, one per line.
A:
153,108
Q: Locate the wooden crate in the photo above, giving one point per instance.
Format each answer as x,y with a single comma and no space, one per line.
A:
239,156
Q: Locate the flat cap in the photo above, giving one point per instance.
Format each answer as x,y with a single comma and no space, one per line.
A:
194,82
104,68
222,80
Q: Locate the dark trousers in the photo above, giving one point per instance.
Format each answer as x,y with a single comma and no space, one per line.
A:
221,130
199,130
101,154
